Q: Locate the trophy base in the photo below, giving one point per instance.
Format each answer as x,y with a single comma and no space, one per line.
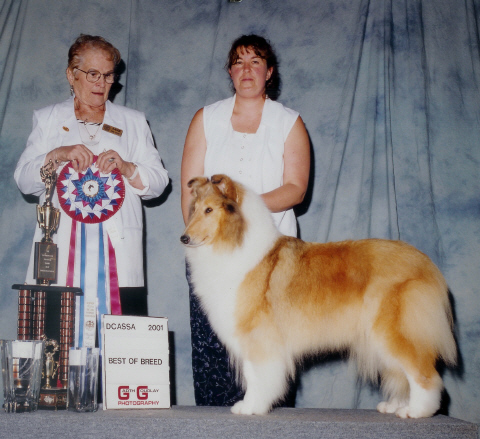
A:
53,399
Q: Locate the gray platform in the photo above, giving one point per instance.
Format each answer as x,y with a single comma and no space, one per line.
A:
217,422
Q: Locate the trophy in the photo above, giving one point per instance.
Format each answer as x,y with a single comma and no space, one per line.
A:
47,312
48,218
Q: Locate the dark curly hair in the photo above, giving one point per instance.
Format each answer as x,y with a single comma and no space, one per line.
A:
86,42
264,50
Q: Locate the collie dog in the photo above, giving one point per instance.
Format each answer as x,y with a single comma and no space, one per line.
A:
274,299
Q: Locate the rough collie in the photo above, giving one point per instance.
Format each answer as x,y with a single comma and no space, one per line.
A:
274,299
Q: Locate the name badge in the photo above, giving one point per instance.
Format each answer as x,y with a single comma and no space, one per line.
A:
112,130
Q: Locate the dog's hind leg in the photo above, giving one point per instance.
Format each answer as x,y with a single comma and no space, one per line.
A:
266,383
424,390
413,385
412,332
425,396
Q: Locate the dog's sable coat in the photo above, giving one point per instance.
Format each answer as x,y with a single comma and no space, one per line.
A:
273,299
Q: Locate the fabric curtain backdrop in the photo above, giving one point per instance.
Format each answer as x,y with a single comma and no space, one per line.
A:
388,90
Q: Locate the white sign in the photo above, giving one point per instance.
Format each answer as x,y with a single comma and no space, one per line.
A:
135,362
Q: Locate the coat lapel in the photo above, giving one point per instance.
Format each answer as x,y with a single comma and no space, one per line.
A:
67,128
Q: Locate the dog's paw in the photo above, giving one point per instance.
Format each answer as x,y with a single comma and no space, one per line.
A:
414,413
389,406
240,408
405,412
245,408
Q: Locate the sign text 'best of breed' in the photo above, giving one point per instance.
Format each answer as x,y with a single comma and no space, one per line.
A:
135,362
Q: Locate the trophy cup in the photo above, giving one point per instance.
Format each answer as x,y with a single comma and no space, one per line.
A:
48,218
47,312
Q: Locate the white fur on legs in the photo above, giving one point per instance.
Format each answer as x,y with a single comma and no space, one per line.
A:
423,402
266,383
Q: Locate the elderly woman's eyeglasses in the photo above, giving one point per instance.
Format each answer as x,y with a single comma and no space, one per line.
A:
94,76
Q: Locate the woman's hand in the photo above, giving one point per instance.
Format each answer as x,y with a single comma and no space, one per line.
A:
79,155
109,160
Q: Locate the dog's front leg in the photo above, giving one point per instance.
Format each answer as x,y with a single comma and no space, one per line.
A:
265,384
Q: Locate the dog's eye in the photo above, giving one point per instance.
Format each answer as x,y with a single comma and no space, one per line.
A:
208,210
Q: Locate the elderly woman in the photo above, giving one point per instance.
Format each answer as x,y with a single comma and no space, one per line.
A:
265,146
88,139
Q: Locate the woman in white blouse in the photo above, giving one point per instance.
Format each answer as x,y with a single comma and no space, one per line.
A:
261,144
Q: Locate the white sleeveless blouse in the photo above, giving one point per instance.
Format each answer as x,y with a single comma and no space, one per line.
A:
255,160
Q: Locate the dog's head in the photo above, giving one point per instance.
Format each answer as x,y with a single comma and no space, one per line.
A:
215,213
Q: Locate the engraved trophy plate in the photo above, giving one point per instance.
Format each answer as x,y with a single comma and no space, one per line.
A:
45,266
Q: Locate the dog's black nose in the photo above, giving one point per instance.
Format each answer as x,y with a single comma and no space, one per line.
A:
185,239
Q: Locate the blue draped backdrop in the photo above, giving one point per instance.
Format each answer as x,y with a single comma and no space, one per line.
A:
388,90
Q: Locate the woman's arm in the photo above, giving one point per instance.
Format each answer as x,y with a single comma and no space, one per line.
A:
193,159
296,171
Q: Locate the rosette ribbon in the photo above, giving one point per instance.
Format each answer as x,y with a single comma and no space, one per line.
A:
90,199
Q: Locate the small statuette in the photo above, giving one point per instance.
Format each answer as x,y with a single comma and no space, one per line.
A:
51,366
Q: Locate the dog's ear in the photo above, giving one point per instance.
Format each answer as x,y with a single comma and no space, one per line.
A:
226,186
196,183
229,207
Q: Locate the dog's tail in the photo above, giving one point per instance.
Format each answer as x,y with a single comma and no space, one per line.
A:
427,318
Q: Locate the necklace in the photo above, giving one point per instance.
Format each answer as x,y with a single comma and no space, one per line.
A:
85,124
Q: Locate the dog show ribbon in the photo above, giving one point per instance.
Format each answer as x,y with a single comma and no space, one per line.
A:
91,198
